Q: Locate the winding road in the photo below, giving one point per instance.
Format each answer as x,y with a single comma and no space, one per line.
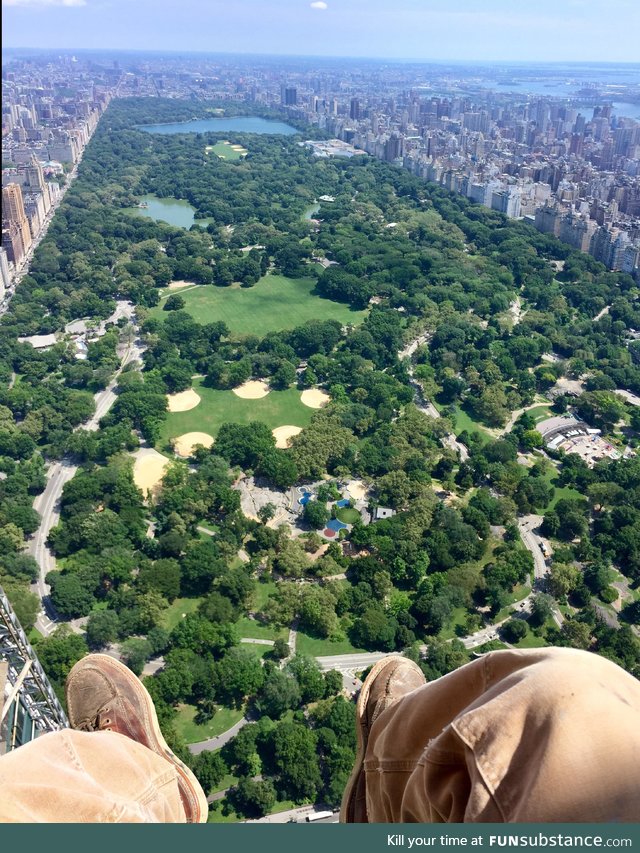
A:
47,504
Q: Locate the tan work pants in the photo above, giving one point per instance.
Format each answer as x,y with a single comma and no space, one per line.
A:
542,735
87,777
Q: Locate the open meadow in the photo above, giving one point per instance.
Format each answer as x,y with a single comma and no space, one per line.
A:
279,303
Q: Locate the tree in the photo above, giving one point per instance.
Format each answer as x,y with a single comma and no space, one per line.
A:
252,798
135,652
210,769
295,761
514,630
280,649
279,693
316,514
237,675
174,303
309,677
563,578
163,576
266,512
102,628
541,609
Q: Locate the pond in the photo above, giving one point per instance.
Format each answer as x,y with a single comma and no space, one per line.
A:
241,124
174,211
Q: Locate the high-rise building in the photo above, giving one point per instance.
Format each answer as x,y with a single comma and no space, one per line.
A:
289,96
5,276
13,215
354,109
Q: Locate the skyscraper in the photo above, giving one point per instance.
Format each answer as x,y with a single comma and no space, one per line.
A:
14,217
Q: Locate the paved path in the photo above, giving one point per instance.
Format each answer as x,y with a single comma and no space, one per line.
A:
219,741
422,403
47,504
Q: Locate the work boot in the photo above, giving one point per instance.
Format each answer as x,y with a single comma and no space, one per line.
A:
104,695
389,680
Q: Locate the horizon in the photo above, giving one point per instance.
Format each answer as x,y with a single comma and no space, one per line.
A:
558,31
347,57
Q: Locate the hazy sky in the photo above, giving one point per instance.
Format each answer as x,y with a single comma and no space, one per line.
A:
552,30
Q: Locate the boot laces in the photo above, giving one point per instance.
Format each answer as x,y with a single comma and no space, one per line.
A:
101,721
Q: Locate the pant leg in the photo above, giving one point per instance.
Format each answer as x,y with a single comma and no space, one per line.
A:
87,777
537,735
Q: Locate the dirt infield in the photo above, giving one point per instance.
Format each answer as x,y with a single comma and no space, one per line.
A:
282,434
254,389
174,285
357,490
314,398
148,469
183,402
184,444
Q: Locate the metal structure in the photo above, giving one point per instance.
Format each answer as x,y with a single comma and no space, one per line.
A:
29,706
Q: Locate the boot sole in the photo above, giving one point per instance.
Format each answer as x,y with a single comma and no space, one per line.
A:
157,743
361,735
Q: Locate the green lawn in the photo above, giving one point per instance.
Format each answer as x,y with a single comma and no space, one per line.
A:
540,413
217,407
307,645
261,594
273,304
347,514
224,719
531,642
257,630
225,151
520,591
173,614
216,815
559,492
458,617
463,421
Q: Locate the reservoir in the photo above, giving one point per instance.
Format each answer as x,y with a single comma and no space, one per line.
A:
240,124
174,211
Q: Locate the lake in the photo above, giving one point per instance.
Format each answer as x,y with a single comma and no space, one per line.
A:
241,124
175,211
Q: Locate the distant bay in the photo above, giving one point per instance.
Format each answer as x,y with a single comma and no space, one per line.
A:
240,124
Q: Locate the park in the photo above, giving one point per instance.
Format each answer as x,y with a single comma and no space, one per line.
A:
279,302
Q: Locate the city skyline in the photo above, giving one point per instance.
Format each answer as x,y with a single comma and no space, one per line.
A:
568,30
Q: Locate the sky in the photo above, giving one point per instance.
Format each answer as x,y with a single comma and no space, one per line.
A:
489,30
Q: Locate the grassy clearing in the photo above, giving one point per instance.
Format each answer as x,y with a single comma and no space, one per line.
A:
520,591
225,151
347,514
458,617
559,492
315,647
262,592
216,815
257,630
462,421
273,304
217,407
540,413
174,612
224,719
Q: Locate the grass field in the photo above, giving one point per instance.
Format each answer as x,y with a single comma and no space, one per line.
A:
218,407
540,413
273,304
225,151
307,645
173,614
559,492
347,514
258,631
224,719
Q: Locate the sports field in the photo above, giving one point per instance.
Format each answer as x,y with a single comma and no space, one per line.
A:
227,150
273,304
219,407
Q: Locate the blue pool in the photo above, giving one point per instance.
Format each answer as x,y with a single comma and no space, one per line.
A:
336,525
343,502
